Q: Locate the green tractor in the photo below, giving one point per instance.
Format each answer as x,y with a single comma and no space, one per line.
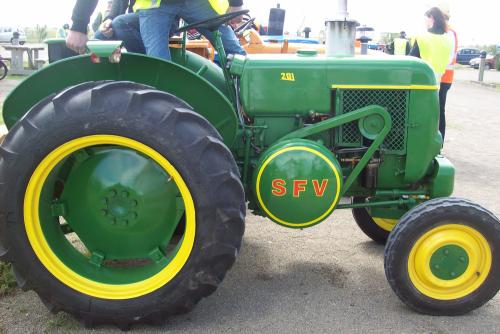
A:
125,179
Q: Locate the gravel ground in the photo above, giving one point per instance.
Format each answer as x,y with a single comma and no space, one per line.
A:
329,278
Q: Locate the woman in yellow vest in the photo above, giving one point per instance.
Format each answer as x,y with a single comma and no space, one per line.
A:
434,46
156,17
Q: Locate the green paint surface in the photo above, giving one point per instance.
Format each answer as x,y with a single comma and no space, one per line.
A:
449,262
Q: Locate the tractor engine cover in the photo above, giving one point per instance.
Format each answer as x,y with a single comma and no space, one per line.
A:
297,183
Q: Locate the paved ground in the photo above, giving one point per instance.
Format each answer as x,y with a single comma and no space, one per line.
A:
328,278
470,74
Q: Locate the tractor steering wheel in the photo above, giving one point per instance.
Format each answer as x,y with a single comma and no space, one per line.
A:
214,23
244,26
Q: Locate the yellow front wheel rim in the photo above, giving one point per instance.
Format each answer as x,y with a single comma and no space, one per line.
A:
385,223
464,237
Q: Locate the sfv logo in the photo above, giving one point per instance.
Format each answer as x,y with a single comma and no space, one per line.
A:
279,187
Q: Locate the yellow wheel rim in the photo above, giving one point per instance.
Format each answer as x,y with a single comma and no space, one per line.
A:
467,238
63,273
385,224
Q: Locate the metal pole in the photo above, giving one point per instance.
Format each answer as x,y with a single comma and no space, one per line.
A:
482,65
342,12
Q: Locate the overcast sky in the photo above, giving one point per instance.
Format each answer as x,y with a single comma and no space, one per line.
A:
477,22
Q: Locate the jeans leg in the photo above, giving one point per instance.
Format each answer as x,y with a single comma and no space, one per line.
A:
198,10
443,92
229,41
155,26
126,28
98,35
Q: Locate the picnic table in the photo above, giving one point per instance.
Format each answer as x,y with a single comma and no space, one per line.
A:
17,59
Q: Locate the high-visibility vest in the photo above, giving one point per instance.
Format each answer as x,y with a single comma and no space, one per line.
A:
449,74
435,49
220,6
400,46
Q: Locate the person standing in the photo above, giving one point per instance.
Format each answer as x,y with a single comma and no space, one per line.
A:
448,76
434,47
401,45
156,18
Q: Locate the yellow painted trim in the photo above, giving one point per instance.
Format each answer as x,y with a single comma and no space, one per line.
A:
409,87
480,260
385,223
63,273
298,148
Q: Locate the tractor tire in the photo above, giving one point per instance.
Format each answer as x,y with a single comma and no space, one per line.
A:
377,229
161,166
443,257
3,70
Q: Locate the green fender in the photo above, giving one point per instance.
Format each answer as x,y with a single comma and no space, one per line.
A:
199,82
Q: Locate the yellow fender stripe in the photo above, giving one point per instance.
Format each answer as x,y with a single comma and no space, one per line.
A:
407,87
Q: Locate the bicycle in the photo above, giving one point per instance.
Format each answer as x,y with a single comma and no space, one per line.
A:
3,69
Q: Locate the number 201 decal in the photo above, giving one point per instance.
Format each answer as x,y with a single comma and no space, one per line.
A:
288,76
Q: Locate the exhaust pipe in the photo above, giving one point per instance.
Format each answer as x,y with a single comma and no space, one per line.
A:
340,33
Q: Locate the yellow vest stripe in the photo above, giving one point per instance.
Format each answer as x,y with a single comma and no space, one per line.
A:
219,6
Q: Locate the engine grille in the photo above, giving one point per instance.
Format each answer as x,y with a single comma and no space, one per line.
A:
396,103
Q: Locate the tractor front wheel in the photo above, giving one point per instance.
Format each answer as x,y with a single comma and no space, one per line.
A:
443,257
120,204
377,229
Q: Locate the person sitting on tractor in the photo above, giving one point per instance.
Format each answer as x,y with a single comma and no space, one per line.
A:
122,24
126,27
156,18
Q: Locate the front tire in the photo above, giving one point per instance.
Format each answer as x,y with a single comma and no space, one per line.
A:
443,257
146,188
377,229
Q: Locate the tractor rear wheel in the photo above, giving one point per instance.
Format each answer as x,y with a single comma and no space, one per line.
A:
442,258
377,229
120,205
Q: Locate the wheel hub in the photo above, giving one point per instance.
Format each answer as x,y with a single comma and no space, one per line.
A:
449,262
114,197
120,206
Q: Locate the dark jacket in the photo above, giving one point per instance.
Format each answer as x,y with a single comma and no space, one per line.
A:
84,8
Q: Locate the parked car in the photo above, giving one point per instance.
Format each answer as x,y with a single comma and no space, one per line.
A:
7,35
490,62
465,55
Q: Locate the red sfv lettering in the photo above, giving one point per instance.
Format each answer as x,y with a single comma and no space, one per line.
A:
320,190
279,187
298,186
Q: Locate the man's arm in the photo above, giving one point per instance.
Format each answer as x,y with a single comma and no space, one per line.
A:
77,35
81,14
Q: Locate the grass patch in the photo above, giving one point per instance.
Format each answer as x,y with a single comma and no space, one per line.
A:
15,77
61,322
7,281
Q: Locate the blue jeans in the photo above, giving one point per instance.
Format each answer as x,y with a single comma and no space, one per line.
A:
126,29
156,22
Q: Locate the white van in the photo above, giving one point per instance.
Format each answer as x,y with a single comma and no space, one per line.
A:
7,34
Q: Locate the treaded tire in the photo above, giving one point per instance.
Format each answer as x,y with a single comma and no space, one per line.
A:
416,223
3,70
367,225
169,126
